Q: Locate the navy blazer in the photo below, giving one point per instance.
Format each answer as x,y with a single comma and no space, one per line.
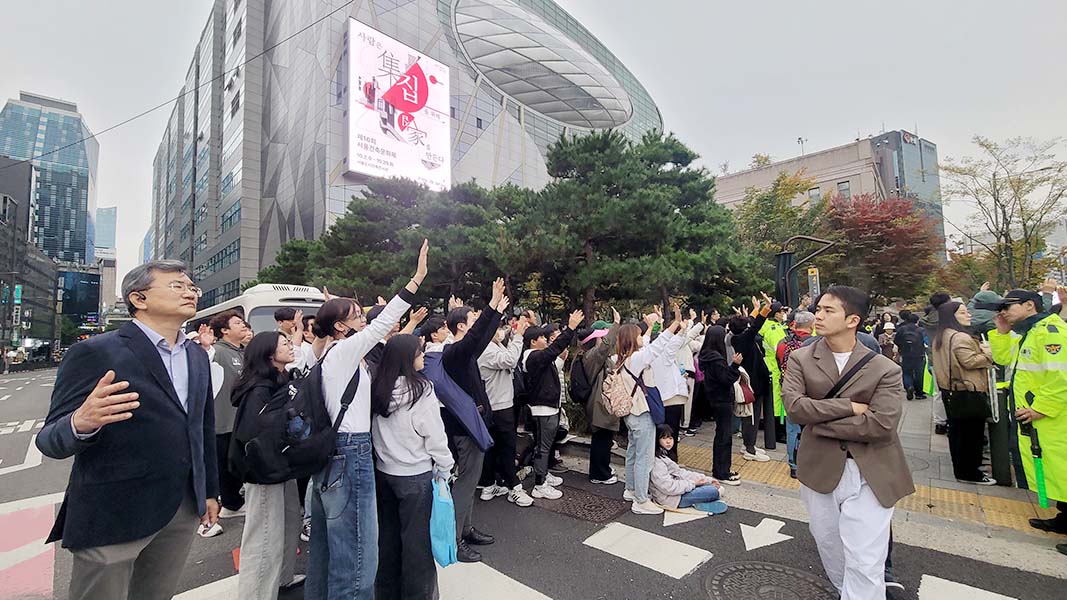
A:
129,479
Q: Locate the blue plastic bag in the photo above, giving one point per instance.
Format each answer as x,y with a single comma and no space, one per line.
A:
443,525
655,405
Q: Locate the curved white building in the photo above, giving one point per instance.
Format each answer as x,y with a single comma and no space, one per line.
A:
257,156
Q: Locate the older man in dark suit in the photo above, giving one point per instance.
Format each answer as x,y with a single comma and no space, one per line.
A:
134,408
851,464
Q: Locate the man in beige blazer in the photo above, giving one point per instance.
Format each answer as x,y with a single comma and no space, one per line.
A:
851,465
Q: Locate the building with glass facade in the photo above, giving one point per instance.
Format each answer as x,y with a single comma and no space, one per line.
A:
256,155
53,130
106,220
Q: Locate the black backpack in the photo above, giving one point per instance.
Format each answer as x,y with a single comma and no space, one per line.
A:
911,341
292,436
579,388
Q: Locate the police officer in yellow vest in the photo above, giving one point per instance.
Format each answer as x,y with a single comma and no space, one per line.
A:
1032,344
773,331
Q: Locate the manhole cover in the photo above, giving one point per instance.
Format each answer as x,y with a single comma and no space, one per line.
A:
766,581
584,505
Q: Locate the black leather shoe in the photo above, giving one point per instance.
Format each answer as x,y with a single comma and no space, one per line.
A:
467,554
1050,525
478,538
793,473
1061,548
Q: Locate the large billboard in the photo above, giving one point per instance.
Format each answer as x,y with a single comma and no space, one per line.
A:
398,110
80,294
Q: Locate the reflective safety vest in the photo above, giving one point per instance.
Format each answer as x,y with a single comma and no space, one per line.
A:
1037,374
773,332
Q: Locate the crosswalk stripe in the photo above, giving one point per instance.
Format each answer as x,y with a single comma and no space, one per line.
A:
935,588
477,581
655,552
16,505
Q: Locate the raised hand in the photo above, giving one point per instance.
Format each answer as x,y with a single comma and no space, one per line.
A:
737,311
503,304
327,294
205,336
615,316
575,319
498,294
755,304
522,325
381,301
418,315
422,268
766,298
105,405
692,315
738,358
298,328
985,286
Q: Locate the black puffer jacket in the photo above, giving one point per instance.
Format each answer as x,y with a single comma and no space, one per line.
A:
249,400
542,378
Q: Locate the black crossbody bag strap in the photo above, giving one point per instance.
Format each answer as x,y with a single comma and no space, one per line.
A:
346,400
847,375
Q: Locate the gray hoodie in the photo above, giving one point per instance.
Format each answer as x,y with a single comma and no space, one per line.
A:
411,440
496,365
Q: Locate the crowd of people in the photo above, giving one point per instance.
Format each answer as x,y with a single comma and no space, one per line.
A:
474,399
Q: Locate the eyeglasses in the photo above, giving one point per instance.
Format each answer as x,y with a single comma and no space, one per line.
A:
180,288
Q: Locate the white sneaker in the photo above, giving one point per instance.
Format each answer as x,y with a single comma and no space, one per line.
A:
628,495
547,492
492,491
647,507
756,457
552,480
305,532
207,531
761,451
519,497
609,481
295,581
226,513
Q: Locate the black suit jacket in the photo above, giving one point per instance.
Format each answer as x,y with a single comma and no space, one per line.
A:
129,479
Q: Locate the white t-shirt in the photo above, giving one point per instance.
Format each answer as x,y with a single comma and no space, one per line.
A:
841,358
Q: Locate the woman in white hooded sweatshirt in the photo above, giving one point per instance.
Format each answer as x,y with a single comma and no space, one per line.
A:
412,450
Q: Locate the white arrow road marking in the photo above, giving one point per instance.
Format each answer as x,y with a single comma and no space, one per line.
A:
19,388
33,459
22,553
47,384
25,503
222,589
475,581
26,426
649,550
935,588
674,518
5,397
764,534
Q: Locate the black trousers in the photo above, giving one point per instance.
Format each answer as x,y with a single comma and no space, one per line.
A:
406,568
600,454
673,416
229,484
966,437
500,460
722,449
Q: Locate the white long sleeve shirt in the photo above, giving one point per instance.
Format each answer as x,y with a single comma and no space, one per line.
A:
342,360
665,368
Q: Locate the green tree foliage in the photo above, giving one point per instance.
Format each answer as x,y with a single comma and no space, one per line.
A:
766,218
620,222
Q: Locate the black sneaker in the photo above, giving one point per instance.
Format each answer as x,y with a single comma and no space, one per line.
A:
465,553
1061,548
891,583
1049,525
478,538
911,395
793,473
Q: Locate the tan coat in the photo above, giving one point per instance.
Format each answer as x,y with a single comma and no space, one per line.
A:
832,431
960,363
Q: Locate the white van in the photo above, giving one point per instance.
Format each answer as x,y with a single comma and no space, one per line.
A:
258,303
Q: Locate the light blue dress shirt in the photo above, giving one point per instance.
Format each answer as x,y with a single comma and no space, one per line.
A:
174,360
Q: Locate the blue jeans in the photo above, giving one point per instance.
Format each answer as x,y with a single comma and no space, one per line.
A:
792,438
343,557
640,453
703,493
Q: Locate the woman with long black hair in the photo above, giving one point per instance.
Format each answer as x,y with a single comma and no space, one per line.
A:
960,365
272,511
412,450
720,373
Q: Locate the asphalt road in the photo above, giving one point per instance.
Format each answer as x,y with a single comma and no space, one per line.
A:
586,546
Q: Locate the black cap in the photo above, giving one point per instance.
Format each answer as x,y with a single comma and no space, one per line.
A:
1020,296
777,307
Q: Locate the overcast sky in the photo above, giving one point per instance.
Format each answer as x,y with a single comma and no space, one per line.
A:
730,78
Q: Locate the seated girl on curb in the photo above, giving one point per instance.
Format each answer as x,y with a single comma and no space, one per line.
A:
674,487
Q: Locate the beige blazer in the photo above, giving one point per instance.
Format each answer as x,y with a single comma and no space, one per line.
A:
832,431
961,363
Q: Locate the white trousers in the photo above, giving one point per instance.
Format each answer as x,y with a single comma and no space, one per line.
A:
940,418
269,541
851,530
